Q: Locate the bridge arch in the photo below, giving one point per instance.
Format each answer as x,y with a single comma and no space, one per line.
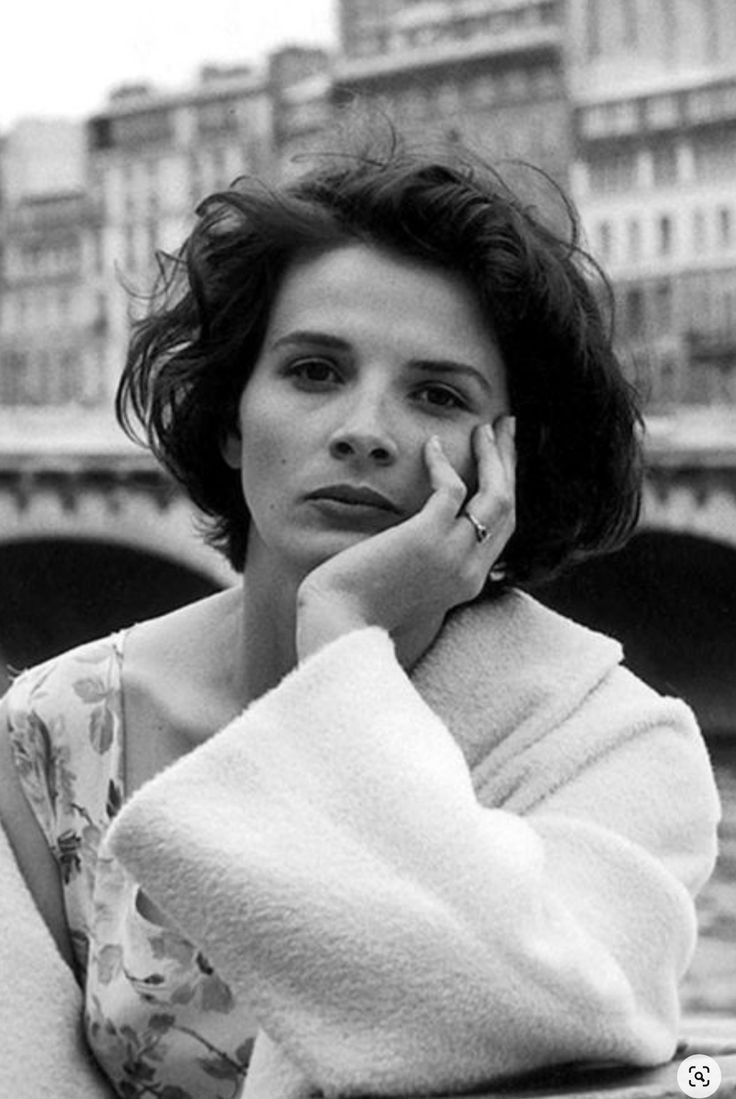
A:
685,496
670,598
126,503
59,592
670,595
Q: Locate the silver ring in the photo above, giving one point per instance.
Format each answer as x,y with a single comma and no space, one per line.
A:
482,533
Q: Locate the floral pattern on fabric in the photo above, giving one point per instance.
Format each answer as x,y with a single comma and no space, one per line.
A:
159,1019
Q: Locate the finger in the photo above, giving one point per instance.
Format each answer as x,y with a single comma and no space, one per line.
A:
448,488
493,503
506,441
496,462
491,471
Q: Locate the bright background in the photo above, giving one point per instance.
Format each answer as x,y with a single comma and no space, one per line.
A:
61,59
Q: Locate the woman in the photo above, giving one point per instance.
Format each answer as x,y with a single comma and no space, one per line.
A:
380,806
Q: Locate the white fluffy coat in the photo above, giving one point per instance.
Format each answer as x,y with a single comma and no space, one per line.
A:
423,884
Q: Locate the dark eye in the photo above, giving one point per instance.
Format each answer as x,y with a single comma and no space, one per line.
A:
441,396
313,371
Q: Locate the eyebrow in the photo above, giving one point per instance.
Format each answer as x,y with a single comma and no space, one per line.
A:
428,366
323,339
449,366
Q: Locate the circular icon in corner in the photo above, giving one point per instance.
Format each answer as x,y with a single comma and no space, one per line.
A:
699,1075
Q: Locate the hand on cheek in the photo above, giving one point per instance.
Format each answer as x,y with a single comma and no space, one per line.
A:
413,573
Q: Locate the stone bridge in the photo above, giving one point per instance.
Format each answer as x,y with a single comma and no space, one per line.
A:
93,536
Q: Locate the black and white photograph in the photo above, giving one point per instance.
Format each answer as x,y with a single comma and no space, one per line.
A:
368,549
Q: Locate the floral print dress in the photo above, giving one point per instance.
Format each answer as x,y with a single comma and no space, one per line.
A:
158,1019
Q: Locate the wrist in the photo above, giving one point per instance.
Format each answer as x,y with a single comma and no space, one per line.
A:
322,617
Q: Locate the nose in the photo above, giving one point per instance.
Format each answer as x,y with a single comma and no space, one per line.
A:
365,434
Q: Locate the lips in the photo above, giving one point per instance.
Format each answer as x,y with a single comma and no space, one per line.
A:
357,495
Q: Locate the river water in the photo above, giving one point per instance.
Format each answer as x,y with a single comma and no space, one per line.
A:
711,984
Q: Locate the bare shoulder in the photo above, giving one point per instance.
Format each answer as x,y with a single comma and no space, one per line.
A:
164,654
31,849
185,633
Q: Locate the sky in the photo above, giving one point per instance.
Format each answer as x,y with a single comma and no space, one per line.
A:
61,59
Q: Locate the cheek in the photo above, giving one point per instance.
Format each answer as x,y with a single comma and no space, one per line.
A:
262,460
459,451
259,456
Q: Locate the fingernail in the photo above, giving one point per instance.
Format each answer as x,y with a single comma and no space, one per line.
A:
488,428
434,442
512,426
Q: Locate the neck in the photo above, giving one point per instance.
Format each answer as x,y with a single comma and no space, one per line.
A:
266,651
266,648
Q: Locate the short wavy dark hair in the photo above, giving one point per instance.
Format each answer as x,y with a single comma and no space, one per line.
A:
578,438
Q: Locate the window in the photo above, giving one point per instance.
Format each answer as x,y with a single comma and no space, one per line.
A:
623,118
593,28
613,171
517,83
665,235
547,80
593,122
605,240
703,105
414,103
667,380
700,236
634,312
725,227
449,98
633,231
663,308
547,12
483,88
662,111
698,303
40,388
13,370
664,164
715,155
68,388
99,324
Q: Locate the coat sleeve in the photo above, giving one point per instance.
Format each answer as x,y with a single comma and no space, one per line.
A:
392,934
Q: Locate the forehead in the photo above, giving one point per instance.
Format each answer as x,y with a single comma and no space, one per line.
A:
360,290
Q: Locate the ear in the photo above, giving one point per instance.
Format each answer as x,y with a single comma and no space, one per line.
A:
230,448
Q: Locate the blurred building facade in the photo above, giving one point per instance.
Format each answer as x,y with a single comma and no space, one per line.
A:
490,71
49,341
654,176
631,103
151,159
300,83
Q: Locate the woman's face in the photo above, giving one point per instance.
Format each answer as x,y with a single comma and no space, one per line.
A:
366,355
